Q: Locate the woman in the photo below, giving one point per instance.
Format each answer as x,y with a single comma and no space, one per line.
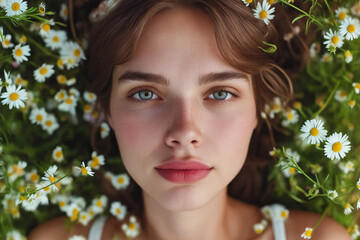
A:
182,84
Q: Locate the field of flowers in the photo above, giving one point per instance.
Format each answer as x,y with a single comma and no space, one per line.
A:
48,166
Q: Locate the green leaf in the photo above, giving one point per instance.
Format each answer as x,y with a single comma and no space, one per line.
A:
272,47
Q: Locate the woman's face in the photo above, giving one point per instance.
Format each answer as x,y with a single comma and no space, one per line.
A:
182,116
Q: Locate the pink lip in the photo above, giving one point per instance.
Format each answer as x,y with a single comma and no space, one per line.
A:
183,171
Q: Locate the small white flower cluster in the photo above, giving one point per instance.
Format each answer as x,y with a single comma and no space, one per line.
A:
14,96
132,229
118,181
47,121
263,11
337,145
349,29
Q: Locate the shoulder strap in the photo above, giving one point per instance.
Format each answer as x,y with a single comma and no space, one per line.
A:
97,228
278,214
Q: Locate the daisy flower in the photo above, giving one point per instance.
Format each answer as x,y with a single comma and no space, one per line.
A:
120,181
348,56
62,201
90,97
313,131
351,103
42,9
14,235
96,160
15,7
307,234
336,146
84,170
64,13
340,95
260,227
55,39
291,116
332,194
50,178
355,9
346,167
341,13
43,72
68,104
57,154
356,87
50,123
333,39
264,12
16,170
18,80
247,2
358,184
132,229
32,176
350,28
6,43
348,208
104,130
72,53
99,204
61,79
38,115
118,210
45,27
72,211
60,95
326,57
84,218
14,97
22,39
74,92
20,53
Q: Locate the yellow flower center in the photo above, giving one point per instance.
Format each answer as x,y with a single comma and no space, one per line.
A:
14,96
87,108
41,9
75,213
99,203
335,39
23,39
84,170
347,54
290,116
358,186
21,189
351,28
61,204
91,95
34,177
7,42
249,1
48,123
132,226
52,178
61,79
43,71
120,180
47,188
292,170
343,94
77,52
342,15
15,6
347,205
61,95
58,154
46,27
308,233
60,63
95,162
68,101
351,103
336,147
56,39
284,214
19,52
263,14
84,217
258,230
297,105
271,1
118,211
314,132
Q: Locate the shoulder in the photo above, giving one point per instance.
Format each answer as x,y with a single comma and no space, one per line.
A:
328,229
58,228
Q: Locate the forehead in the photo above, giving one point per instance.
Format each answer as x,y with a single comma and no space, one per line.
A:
177,35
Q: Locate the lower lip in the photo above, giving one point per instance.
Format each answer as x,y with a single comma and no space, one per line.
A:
183,176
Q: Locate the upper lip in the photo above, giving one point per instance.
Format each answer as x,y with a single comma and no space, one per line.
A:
183,164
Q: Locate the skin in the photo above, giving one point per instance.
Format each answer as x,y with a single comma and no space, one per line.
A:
185,119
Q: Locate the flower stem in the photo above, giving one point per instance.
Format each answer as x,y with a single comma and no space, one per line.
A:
302,11
327,100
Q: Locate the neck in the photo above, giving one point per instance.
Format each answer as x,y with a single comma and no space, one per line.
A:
207,222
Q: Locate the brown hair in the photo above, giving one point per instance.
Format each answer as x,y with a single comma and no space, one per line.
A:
239,36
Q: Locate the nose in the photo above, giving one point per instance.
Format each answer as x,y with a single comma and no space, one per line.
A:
183,126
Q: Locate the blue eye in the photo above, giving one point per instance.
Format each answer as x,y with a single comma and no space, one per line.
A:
221,95
144,95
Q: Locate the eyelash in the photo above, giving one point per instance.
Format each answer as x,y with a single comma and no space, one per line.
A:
221,89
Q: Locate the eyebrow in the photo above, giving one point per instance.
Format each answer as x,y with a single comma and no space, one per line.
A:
131,76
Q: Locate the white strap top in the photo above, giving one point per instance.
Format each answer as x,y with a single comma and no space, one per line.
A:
277,213
97,228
